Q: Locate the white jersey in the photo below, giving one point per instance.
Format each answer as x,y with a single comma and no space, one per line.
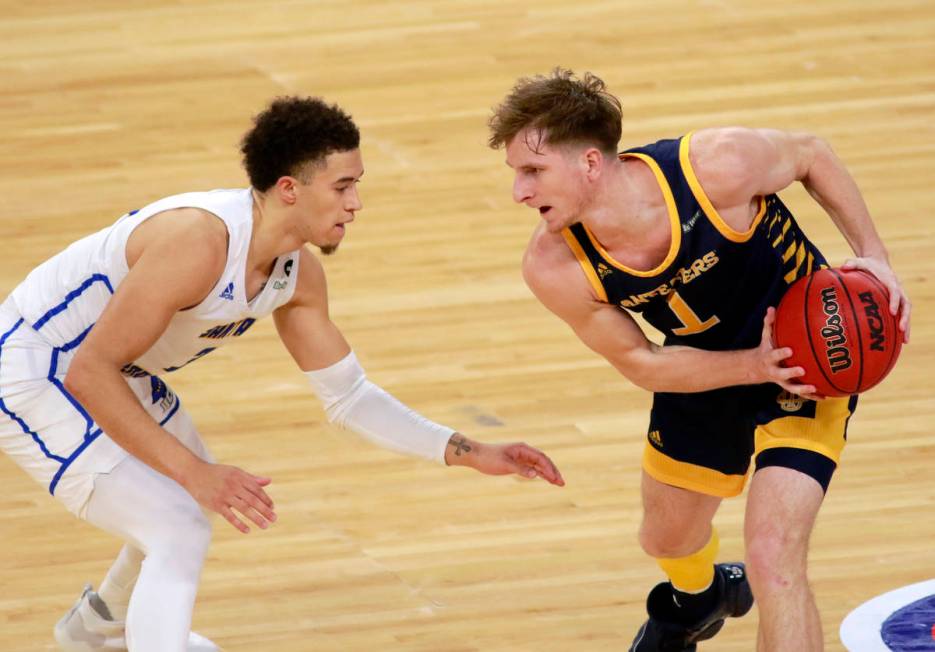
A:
63,297
43,322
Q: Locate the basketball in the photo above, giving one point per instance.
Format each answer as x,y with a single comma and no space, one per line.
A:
838,324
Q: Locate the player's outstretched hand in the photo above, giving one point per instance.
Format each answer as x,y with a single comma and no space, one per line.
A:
769,367
230,491
502,459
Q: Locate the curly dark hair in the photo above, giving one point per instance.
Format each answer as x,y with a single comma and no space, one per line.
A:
564,109
291,133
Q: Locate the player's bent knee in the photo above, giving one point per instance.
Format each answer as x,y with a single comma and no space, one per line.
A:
664,542
182,543
775,561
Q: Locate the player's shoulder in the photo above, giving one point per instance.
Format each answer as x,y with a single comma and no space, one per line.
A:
729,162
551,269
725,146
546,252
182,233
311,285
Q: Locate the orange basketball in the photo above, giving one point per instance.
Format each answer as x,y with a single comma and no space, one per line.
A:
838,324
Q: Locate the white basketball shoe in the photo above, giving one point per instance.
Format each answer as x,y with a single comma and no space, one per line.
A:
84,629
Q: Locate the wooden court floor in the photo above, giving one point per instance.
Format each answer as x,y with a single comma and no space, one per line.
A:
107,105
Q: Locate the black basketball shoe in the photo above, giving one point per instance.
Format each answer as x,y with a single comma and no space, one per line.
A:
664,633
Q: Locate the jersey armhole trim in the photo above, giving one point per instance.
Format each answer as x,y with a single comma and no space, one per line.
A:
675,240
586,266
713,216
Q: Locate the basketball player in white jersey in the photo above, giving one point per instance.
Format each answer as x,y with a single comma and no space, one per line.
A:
84,339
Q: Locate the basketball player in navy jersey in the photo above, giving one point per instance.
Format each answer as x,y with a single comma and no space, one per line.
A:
84,339
691,234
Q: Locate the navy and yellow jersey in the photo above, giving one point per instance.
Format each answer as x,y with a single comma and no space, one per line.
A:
713,287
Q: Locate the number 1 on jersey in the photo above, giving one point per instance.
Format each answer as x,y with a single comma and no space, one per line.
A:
691,323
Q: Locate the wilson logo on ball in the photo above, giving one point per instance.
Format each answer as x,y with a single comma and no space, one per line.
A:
840,331
839,358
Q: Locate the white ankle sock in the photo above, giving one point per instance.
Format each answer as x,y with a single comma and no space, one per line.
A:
117,587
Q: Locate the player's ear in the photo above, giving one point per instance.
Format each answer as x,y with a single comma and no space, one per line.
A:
593,162
286,187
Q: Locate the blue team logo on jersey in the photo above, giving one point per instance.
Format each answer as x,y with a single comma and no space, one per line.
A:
228,292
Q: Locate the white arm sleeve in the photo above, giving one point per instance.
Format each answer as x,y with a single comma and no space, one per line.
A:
351,401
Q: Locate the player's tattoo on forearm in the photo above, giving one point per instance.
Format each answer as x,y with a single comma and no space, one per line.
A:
460,444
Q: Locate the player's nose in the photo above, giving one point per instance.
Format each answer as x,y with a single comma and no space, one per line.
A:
522,191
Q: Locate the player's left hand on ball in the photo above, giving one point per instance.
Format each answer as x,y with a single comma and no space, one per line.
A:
899,302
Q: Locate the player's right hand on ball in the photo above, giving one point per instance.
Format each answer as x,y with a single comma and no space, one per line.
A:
769,363
230,492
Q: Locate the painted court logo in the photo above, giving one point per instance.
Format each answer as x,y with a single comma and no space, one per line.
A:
899,621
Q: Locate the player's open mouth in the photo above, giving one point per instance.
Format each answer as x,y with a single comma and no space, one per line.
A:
544,209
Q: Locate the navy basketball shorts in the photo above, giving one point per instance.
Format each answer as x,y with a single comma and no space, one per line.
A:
704,441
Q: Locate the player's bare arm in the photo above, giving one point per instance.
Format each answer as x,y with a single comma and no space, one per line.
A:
175,259
554,276
736,166
319,349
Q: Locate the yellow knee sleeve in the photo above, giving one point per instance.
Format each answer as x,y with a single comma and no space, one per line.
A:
695,572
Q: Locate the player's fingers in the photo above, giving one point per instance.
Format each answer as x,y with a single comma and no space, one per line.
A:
228,514
896,296
259,505
904,319
509,464
546,469
538,460
768,320
805,391
792,372
254,484
552,474
556,477
766,338
256,490
251,510
778,355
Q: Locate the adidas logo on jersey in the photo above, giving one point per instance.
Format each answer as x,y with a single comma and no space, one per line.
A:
228,292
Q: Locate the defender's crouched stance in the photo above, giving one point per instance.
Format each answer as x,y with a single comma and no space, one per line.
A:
85,337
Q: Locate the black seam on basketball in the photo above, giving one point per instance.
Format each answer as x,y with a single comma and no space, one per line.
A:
808,332
895,348
860,339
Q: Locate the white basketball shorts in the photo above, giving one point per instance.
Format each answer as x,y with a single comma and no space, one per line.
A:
48,433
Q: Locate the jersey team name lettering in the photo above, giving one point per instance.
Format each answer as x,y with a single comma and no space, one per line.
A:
684,276
839,357
235,329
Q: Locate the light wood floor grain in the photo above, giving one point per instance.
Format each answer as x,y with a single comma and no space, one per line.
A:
107,105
